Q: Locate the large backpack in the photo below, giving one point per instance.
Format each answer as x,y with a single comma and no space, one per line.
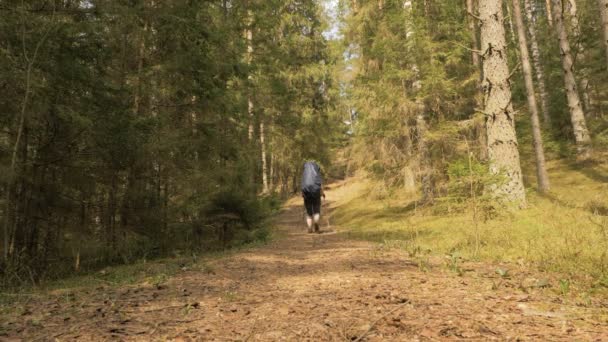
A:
311,179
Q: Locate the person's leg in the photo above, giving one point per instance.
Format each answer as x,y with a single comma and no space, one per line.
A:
308,204
317,212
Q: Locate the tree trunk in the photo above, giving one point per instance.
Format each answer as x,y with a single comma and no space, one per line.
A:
500,122
538,66
473,32
541,169
510,21
21,119
249,38
140,65
577,115
581,55
264,163
549,13
604,13
271,179
423,152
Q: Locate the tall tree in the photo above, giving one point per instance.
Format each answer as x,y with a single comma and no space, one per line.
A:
500,117
577,115
581,54
603,7
538,66
541,169
549,12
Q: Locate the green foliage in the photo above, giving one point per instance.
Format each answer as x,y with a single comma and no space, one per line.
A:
136,125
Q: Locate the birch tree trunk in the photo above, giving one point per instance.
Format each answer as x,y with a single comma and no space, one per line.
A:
473,31
541,169
604,14
264,163
580,53
249,38
549,13
510,22
502,141
538,66
577,115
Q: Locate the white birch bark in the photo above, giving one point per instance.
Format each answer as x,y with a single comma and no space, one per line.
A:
577,115
581,54
538,66
265,188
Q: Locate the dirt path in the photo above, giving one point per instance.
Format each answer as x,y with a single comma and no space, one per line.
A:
316,288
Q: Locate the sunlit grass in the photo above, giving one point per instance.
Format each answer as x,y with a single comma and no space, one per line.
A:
563,232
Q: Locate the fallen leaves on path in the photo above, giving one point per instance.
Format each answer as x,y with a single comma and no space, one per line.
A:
312,288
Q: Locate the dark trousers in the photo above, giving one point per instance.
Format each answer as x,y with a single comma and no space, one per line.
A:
312,203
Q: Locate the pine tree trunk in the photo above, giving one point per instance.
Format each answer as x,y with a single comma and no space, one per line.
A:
500,122
538,66
473,32
577,115
604,14
541,169
264,162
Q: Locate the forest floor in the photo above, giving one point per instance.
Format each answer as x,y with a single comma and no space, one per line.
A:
312,288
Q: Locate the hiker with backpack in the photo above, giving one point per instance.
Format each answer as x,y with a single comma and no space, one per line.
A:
312,190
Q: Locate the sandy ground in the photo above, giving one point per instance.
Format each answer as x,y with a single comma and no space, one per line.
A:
324,287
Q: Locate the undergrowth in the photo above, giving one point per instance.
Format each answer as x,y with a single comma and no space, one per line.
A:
564,232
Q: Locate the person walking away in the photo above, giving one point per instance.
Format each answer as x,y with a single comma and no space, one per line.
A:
312,190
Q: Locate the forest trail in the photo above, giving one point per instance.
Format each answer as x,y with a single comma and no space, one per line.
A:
304,287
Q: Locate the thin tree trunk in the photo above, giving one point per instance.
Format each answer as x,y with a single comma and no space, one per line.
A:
577,115
140,66
20,127
603,6
264,163
510,21
549,13
271,179
541,169
473,32
424,163
581,55
502,141
538,66
249,38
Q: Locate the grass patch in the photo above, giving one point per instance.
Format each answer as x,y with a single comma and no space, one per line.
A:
565,232
151,272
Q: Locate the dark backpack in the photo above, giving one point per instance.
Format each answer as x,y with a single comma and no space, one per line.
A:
311,179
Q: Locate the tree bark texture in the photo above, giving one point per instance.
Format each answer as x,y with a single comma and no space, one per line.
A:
577,115
500,122
603,6
538,66
541,169
264,162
